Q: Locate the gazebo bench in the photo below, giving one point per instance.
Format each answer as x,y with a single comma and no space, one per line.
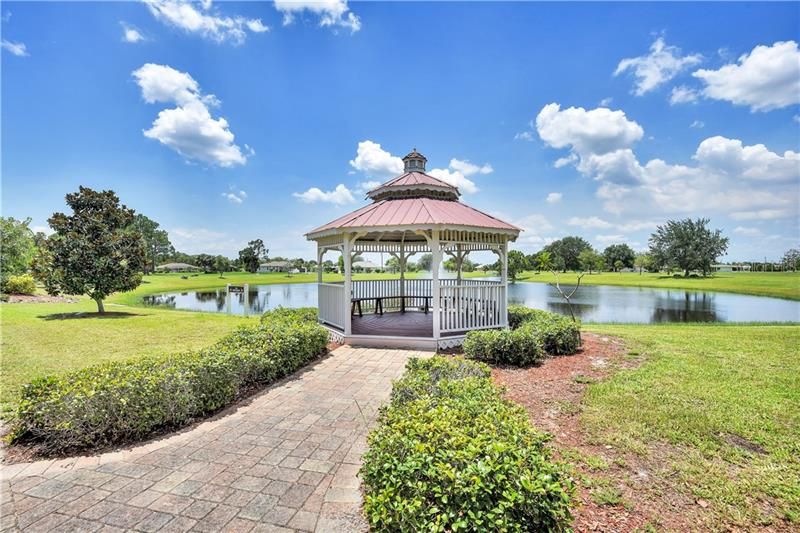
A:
355,303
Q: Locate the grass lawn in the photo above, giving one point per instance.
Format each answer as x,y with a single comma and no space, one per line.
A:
717,406
777,284
39,339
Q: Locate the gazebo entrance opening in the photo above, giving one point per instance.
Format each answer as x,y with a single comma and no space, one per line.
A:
413,214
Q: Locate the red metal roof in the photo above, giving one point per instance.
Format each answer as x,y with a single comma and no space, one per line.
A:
413,178
416,212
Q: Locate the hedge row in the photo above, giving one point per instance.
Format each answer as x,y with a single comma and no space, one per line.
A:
128,401
533,334
450,454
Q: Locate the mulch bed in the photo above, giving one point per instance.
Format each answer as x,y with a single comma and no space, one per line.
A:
552,394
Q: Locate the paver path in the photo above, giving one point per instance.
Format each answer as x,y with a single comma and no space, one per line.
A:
288,460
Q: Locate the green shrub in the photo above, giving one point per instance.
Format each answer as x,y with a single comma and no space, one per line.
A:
302,314
559,334
518,347
22,284
126,401
456,456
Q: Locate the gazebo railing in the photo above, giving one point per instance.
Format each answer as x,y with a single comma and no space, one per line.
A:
331,300
469,306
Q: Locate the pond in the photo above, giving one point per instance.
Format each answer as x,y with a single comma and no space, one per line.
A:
592,303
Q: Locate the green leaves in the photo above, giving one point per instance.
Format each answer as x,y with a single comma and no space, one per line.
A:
128,401
449,454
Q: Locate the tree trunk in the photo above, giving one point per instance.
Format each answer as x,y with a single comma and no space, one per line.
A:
686,273
100,308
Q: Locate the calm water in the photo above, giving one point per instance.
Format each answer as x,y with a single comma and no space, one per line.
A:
591,303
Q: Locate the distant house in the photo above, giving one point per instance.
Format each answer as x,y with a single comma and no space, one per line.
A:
275,266
176,267
730,268
365,266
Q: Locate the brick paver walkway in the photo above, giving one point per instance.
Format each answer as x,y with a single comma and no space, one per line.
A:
287,460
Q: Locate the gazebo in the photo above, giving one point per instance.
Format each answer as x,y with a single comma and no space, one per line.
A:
411,214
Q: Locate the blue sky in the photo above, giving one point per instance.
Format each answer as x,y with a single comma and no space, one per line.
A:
232,121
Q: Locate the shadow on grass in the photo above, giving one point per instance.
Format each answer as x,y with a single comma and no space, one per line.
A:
72,316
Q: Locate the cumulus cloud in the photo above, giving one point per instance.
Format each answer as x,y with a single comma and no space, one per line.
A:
468,169
765,79
747,232
17,49
373,160
554,197
697,124
204,240
341,195
188,128
597,223
596,131
331,13
131,34
235,197
683,95
732,157
204,20
659,66
524,136
605,102
536,228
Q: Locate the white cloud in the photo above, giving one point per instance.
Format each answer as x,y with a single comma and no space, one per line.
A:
202,19
564,161
17,49
535,229
341,195
554,197
609,239
188,128
747,232
755,162
203,240
763,214
455,178
365,186
596,131
373,160
235,197
697,124
332,13
683,95
767,78
131,34
605,102
657,67
796,118
524,136
468,169
589,222
47,230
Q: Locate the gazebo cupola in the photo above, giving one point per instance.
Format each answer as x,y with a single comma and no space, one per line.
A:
413,213
414,162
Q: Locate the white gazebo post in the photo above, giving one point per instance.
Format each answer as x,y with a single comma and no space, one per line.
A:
504,282
436,259
347,259
320,254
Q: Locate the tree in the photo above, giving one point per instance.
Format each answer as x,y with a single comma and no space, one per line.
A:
92,251
619,252
643,261
156,241
791,259
17,247
205,261
590,260
544,260
222,264
424,262
568,249
688,244
516,264
252,255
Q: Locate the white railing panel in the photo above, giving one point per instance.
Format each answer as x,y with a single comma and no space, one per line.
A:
331,304
468,305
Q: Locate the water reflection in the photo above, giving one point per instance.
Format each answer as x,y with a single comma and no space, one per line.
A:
591,303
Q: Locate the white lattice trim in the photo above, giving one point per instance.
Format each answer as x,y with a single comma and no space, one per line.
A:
451,342
335,336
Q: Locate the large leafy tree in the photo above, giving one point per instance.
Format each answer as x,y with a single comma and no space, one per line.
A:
543,260
156,241
619,252
590,260
567,250
687,244
94,251
643,261
791,259
253,254
17,247
516,264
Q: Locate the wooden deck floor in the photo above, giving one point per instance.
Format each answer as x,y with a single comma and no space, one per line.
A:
394,324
